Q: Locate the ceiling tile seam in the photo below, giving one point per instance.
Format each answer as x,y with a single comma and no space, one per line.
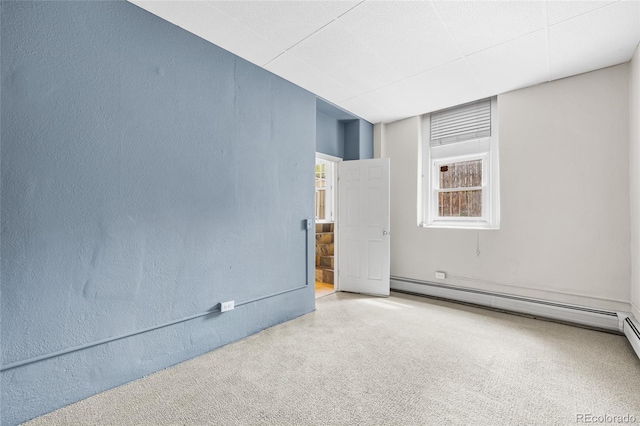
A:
396,71
325,25
488,47
314,32
301,40
507,41
337,83
404,78
546,19
247,29
446,26
347,11
371,50
462,57
588,12
455,41
637,2
274,58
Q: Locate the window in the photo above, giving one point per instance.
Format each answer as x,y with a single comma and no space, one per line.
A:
459,178
324,190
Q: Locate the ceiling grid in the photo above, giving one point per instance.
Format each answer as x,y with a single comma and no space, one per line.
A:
388,60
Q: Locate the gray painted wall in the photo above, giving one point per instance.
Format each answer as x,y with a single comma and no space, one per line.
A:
147,176
329,135
564,177
358,140
366,140
347,139
634,166
352,140
342,134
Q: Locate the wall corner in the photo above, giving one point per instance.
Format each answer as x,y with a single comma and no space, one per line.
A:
379,136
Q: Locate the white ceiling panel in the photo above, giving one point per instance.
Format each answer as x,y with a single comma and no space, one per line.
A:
518,63
482,24
594,40
336,52
284,23
206,22
387,60
559,11
304,75
420,39
361,107
338,7
442,87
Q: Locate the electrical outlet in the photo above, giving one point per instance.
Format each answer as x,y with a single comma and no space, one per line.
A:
440,275
226,306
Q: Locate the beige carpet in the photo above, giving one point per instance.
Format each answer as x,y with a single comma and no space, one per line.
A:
400,361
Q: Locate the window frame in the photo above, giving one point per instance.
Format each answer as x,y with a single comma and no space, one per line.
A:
329,188
436,190
485,148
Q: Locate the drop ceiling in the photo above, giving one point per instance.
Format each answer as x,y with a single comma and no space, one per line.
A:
388,60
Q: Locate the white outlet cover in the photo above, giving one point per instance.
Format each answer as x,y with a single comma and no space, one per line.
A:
226,306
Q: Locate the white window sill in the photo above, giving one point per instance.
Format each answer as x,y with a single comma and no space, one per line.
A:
459,225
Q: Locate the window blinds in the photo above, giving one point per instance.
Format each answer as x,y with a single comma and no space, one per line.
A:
461,123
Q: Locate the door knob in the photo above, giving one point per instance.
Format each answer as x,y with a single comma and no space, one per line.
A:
385,233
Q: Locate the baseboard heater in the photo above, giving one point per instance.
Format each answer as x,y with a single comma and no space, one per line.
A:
594,318
631,329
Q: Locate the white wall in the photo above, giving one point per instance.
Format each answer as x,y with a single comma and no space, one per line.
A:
634,137
379,133
565,226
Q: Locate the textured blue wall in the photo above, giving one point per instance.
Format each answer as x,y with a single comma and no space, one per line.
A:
358,140
342,134
366,140
352,140
329,135
347,139
147,176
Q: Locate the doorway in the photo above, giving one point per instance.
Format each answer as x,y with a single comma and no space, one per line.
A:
326,227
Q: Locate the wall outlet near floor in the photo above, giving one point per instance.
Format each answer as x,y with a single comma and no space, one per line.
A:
440,275
226,306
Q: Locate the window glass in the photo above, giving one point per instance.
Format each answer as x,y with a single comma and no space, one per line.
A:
460,178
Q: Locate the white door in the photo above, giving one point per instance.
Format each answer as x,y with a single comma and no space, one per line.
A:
363,221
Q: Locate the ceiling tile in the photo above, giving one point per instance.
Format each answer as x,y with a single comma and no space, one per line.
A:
597,39
374,113
518,63
559,11
442,87
210,24
410,37
336,52
369,57
482,24
337,8
284,23
291,68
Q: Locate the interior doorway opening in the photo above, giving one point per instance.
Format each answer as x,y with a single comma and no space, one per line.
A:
326,271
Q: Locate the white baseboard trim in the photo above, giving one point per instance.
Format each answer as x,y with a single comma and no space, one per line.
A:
580,315
635,310
631,329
